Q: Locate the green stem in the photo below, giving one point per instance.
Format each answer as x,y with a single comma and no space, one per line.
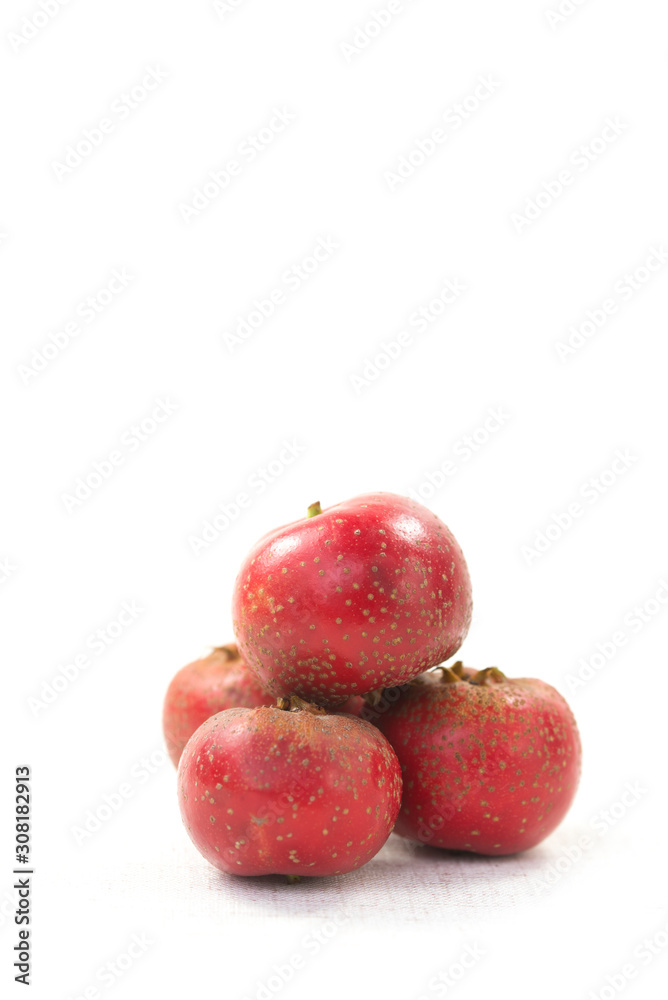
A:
314,509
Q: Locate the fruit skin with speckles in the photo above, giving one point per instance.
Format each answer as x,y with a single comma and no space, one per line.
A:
490,764
201,689
361,596
275,791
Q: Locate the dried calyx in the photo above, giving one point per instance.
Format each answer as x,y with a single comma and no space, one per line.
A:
296,704
230,652
449,675
373,698
481,678
490,675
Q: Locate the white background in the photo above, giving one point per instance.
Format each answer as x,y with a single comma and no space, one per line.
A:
548,925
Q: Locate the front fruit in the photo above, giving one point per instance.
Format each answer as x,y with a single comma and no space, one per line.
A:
288,791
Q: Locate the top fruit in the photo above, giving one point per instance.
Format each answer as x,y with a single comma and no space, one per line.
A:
364,595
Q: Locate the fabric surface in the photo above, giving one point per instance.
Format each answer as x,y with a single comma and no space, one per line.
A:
418,922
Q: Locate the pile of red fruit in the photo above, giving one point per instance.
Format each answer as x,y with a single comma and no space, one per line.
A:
301,748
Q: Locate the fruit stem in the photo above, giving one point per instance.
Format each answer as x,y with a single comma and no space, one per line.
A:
292,879
314,509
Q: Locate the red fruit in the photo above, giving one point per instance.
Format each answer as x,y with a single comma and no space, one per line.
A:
270,791
218,681
490,764
354,705
361,596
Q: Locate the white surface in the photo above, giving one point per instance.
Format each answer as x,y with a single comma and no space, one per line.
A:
408,916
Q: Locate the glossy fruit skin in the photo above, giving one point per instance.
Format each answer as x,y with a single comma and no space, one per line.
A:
362,596
490,768
265,791
201,689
